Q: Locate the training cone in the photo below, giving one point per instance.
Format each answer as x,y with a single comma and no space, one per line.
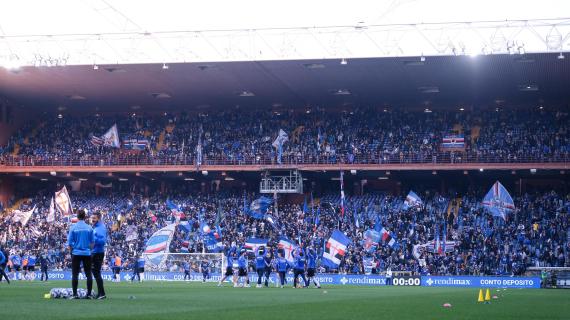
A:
480,299
488,296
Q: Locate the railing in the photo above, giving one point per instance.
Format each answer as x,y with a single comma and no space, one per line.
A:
368,159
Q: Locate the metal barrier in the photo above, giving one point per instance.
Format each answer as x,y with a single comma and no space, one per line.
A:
292,160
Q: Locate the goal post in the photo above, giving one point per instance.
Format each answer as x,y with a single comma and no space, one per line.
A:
170,266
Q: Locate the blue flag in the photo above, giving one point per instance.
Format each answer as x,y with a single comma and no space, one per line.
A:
498,201
371,240
412,200
335,249
355,215
386,236
259,207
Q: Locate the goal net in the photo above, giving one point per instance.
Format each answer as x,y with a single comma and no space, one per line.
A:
171,266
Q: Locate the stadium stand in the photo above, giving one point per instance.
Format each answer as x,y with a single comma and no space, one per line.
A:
535,236
362,136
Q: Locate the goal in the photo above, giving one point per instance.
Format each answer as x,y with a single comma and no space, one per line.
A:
170,266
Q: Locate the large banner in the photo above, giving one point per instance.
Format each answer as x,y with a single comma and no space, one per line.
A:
339,279
481,282
324,279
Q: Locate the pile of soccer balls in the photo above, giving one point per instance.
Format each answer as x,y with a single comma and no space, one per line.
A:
64,293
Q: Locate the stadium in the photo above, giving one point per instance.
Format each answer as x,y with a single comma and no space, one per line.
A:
371,160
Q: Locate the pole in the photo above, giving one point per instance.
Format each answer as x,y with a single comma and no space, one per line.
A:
275,209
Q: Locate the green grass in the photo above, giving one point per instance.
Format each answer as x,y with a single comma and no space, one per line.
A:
177,300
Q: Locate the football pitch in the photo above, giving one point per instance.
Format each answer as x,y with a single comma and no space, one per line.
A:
192,300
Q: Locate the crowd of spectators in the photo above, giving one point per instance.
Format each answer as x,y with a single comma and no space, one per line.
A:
536,234
363,135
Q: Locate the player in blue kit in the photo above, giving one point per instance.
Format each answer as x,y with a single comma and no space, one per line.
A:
187,268
282,267
299,268
3,261
268,266
260,265
311,267
31,267
16,261
205,268
242,269
230,258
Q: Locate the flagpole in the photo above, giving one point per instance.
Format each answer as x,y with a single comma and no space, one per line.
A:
275,209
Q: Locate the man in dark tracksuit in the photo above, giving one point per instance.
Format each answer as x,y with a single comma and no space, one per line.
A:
268,260
138,268
80,242
98,254
44,265
3,261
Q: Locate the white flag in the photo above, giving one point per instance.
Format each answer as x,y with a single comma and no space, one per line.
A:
22,216
111,138
281,139
63,202
51,214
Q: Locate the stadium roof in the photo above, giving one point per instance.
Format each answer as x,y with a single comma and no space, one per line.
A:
70,32
411,82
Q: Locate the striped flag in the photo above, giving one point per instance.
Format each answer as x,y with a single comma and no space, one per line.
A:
97,141
288,248
453,141
158,245
386,236
253,244
335,249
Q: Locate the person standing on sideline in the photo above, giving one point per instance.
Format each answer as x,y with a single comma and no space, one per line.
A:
138,269
389,276
117,265
3,266
80,242
44,264
98,254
